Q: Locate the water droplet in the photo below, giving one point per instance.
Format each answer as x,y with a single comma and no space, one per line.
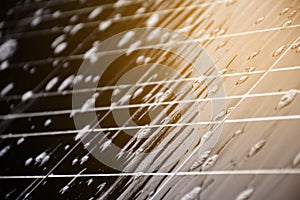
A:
230,2
7,49
116,91
125,99
67,147
58,40
126,38
74,161
96,79
27,95
74,19
259,20
296,160
100,187
221,32
238,132
120,154
56,14
20,141
105,145
163,96
117,16
105,24
4,65
90,181
7,89
279,51
84,159
298,50
245,194
60,48
36,21
219,116
256,147
209,162
89,103
88,78
91,54
120,3
42,158
206,136
215,31
147,97
223,71
193,194
51,83
242,79
28,161
133,47
214,89
254,54
64,189
82,132
287,23
222,44
32,70
156,33
141,10
137,93
47,122
251,69
65,83
153,19
199,162
286,99
4,150
296,45
292,14
147,60
143,133
96,12
284,11
197,82
140,59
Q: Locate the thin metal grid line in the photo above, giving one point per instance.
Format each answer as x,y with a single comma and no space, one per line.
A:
228,121
118,107
202,39
287,171
225,118
104,88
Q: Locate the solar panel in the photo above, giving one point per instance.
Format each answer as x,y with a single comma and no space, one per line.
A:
149,99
